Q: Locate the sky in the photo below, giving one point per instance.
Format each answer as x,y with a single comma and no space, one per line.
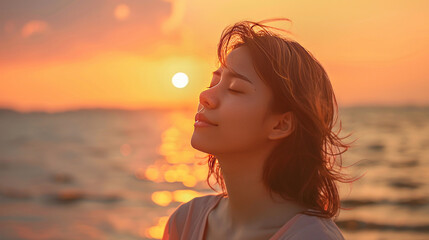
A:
61,55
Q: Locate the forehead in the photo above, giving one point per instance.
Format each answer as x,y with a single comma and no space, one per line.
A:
240,61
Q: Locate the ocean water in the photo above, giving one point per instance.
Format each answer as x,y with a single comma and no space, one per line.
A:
113,174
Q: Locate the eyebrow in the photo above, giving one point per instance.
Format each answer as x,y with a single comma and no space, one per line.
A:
233,73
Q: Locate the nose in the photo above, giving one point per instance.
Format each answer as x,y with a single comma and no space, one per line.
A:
208,99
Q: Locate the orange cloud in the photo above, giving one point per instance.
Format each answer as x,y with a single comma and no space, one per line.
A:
176,17
80,31
33,27
122,12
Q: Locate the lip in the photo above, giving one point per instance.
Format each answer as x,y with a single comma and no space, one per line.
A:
200,119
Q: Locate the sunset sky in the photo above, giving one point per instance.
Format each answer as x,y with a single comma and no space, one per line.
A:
63,54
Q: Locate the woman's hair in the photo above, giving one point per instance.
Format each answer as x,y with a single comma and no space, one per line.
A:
304,166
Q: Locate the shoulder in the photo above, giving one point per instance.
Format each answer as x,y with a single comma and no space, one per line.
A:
189,213
186,209
313,227
205,200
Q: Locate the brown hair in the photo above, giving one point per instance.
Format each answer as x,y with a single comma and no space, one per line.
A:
304,166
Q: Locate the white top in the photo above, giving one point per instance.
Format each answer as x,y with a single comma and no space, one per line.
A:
189,221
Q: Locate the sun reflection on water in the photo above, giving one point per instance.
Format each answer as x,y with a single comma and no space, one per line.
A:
162,198
157,230
178,164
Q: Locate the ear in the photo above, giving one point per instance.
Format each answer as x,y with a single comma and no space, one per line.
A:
283,126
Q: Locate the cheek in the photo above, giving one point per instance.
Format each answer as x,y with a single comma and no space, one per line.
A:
245,114
243,126
240,128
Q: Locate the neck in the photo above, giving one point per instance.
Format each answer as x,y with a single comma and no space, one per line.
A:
249,202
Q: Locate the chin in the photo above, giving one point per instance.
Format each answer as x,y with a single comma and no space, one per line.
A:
196,144
200,145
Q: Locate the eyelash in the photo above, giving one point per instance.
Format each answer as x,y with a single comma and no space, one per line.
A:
232,90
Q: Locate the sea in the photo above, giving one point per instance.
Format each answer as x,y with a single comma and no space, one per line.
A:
119,174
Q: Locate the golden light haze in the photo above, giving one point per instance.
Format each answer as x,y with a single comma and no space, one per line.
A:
123,54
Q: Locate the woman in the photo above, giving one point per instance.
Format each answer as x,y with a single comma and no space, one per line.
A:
266,122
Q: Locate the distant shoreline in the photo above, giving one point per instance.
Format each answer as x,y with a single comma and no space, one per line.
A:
4,110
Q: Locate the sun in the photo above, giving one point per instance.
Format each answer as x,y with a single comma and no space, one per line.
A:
180,80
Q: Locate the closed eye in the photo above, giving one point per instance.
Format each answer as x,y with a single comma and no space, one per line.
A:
232,90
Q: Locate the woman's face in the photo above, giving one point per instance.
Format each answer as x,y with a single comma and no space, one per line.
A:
238,103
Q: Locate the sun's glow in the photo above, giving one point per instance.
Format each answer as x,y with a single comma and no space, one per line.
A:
180,80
